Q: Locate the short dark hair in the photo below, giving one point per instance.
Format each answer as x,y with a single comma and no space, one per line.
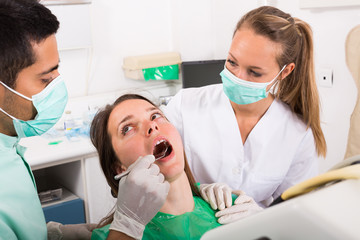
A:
22,23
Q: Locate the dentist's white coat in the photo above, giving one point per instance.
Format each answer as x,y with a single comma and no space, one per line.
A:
278,153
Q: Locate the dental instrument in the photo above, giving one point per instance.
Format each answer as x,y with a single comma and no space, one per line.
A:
123,174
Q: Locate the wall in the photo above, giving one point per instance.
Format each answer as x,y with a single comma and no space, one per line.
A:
199,30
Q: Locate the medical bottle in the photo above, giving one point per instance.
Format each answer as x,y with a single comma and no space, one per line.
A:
72,127
68,121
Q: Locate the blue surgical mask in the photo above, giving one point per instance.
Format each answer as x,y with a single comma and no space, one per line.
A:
49,103
244,92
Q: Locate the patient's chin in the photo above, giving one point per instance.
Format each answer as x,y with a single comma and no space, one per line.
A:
172,177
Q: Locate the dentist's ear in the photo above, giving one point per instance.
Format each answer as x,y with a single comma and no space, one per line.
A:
287,70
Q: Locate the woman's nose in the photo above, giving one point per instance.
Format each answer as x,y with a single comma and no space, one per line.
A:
151,128
240,74
237,72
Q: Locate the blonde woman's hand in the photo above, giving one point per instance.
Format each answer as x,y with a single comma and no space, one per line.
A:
243,206
218,195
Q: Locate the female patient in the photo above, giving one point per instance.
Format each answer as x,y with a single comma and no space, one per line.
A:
135,127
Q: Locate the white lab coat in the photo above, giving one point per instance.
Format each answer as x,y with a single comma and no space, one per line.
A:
278,153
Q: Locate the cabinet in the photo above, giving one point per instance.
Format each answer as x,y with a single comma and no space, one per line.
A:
99,198
62,192
75,167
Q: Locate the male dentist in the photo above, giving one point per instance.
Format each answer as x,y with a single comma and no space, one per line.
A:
32,99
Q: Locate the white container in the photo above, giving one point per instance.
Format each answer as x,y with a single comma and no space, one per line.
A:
133,65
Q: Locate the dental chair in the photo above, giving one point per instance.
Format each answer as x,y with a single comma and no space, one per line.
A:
352,52
324,207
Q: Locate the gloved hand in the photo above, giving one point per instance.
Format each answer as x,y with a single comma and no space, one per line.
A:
243,206
58,231
141,195
218,195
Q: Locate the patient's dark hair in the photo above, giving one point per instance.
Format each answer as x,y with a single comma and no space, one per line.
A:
22,24
101,139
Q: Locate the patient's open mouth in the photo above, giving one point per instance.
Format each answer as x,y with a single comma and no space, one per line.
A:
162,149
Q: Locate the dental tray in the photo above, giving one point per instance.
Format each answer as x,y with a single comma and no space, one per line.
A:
48,189
50,195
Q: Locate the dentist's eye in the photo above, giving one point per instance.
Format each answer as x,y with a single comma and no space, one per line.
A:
126,129
232,63
46,80
255,74
155,116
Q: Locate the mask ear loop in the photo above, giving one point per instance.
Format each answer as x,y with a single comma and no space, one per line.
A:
281,70
17,93
2,110
275,78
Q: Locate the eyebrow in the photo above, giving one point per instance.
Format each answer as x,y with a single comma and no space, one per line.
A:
128,117
249,66
255,67
49,70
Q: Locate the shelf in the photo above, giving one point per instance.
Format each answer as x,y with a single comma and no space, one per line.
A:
327,3
66,196
64,2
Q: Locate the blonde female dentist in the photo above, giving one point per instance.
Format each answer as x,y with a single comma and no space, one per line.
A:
260,130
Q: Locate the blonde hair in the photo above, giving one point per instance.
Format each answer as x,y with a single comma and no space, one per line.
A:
298,89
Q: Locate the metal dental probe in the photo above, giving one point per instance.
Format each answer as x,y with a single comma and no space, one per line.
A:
123,174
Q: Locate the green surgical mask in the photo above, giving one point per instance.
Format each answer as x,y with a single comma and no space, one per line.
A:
49,103
244,92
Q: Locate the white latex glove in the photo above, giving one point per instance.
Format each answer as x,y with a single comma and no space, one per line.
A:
141,195
243,206
218,195
58,231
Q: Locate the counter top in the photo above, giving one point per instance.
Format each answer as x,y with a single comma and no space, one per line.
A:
46,152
